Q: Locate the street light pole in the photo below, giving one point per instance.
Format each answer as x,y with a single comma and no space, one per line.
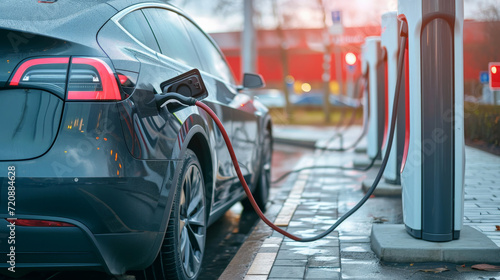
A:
338,65
249,47
326,64
326,79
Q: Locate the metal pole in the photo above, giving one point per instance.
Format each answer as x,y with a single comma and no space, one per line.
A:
248,48
326,65
326,83
338,65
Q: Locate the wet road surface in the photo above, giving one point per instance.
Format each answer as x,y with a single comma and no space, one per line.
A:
227,235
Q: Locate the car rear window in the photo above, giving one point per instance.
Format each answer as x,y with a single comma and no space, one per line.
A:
172,36
213,61
137,25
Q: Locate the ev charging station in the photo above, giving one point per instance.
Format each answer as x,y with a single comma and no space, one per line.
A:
432,172
390,44
372,55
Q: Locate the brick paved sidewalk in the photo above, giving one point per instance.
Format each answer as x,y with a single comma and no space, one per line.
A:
482,193
310,201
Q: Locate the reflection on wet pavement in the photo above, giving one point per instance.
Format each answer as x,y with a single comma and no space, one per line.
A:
227,235
224,238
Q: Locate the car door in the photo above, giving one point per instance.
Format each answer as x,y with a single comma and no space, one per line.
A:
132,47
244,121
176,46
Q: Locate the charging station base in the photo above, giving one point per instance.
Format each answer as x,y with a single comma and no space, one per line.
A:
360,150
392,243
383,188
365,161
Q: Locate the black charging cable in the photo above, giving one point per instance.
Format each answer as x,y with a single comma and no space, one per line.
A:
404,36
344,168
340,134
341,149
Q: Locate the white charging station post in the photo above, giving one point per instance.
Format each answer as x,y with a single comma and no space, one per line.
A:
390,44
372,56
432,175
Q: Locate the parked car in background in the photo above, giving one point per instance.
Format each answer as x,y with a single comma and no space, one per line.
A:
271,98
316,99
105,179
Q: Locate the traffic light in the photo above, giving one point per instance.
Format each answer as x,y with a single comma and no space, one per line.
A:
494,71
350,58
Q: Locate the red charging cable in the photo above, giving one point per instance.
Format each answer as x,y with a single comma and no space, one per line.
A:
240,175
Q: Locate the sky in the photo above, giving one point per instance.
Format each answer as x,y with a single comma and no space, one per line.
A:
229,17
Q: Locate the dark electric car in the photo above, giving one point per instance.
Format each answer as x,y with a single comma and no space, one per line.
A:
94,174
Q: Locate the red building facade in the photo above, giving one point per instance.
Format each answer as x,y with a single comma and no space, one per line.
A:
305,51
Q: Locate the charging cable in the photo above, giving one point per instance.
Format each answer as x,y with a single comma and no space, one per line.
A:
365,168
341,149
189,101
340,134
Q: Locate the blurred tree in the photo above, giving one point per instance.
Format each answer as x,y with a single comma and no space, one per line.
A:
487,10
286,14
283,15
283,56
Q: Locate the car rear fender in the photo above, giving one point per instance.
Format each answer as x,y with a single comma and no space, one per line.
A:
195,135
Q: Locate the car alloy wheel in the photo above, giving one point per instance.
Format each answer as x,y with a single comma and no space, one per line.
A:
183,248
192,221
264,183
188,221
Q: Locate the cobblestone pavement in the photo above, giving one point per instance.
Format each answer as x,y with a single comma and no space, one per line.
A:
482,193
312,200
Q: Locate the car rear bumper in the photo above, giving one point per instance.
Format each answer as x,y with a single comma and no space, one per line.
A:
45,248
118,221
72,248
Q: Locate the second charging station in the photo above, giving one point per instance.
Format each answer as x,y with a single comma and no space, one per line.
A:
432,174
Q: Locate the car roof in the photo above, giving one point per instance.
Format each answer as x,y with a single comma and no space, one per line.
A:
71,20
33,16
24,10
58,19
122,4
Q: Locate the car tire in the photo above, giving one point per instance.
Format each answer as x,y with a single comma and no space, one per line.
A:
183,247
261,192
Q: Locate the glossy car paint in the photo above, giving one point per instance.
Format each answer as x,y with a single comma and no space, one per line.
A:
108,167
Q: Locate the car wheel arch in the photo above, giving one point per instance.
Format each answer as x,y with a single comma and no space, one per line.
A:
195,135
199,145
195,139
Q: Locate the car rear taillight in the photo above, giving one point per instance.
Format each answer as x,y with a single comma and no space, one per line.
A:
89,79
46,73
92,79
38,223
